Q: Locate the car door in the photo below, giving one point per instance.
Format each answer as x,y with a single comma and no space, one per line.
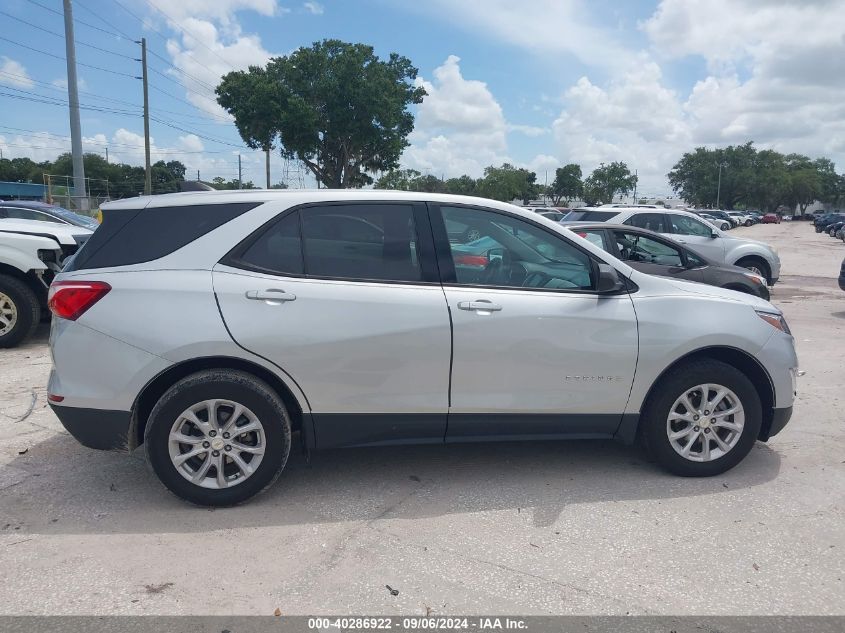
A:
654,256
346,300
535,350
697,234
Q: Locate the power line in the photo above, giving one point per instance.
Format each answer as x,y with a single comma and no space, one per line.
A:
37,50
60,36
58,102
181,129
78,21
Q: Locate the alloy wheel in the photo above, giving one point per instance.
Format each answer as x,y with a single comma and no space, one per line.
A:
8,314
217,444
705,422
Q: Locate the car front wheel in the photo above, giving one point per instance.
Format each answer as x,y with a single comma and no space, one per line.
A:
702,419
20,311
218,437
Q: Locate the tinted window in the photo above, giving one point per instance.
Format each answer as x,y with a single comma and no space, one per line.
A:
511,252
650,221
587,215
640,248
361,241
133,236
19,213
278,249
688,226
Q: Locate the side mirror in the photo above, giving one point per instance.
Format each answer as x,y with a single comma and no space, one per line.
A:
713,235
495,253
608,279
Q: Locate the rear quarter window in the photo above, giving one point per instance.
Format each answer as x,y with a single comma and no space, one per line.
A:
135,236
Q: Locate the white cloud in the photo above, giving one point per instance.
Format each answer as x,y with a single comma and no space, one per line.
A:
13,73
460,127
551,29
532,131
61,82
314,8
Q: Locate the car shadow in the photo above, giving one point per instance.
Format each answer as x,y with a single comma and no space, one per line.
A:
60,487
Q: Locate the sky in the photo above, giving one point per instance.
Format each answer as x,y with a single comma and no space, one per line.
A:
537,83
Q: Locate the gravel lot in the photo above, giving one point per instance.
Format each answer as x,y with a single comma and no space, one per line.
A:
578,527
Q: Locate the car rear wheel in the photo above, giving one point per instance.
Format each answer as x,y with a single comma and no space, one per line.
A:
20,311
702,420
218,437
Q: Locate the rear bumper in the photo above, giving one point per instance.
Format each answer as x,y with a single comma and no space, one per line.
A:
780,417
96,428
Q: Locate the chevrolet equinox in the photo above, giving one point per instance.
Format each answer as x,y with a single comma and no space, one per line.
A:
211,326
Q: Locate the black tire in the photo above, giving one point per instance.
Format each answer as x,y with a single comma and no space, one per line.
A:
756,264
656,411
27,308
470,235
236,386
748,223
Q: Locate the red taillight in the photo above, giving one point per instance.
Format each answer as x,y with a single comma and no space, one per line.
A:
69,299
472,260
54,398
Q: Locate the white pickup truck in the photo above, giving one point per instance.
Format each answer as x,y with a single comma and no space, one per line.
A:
31,254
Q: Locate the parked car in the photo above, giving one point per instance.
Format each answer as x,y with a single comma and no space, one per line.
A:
822,222
842,275
741,218
651,253
689,229
722,215
724,225
841,233
214,342
32,252
833,228
554,216
771,218
45,213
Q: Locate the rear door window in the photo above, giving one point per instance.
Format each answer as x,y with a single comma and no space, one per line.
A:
362,242
278,250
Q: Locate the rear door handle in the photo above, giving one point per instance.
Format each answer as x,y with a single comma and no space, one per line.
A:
482,305
271,294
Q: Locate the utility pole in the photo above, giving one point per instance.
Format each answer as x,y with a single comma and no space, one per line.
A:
73,102
636,178
198,174
107,153
240,174
719,186
148,175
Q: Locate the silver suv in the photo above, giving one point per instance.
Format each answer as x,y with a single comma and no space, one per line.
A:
352,318
688,228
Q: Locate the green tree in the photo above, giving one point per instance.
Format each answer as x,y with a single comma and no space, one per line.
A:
253,98
221,183
567,184
508,183
608,180
336,107
462,185
398,179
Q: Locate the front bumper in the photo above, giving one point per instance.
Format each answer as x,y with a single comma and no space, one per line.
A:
779,419
96,428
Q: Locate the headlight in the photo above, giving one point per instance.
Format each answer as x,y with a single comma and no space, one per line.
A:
757,279
775,320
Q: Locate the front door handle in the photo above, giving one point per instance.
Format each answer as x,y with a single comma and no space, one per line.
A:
271,294
480,306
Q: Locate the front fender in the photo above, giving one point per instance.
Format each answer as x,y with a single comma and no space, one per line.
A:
21,251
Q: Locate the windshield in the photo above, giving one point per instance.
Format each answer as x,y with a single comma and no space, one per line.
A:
72,217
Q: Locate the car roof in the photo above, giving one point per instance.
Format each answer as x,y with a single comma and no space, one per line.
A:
28,204
580,226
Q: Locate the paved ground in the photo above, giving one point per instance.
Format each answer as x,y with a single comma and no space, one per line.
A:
519,528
